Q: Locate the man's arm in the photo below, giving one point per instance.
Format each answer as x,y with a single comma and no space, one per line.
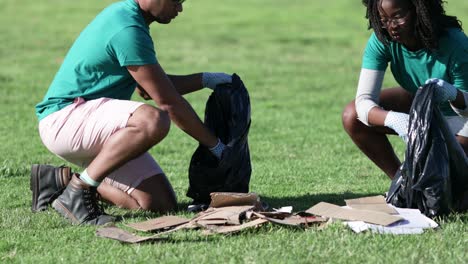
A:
154,81
185,84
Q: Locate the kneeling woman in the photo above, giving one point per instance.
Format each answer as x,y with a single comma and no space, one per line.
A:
421,44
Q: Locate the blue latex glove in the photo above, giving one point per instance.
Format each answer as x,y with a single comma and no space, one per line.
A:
218,149
212,79
399,123
444,91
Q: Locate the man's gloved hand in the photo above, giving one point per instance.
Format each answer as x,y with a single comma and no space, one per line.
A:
218,149
212,79
444,91
399,123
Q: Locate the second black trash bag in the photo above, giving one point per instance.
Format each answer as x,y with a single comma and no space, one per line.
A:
434,175
227,114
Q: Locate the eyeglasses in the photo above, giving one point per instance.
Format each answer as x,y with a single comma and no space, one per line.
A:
396,21
178,1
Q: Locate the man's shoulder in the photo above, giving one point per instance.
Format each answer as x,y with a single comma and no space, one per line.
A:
121,15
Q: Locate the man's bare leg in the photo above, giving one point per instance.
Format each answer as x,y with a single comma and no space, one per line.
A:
145,128
154,194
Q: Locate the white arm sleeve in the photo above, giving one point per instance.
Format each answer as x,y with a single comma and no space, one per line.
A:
367,97
462,112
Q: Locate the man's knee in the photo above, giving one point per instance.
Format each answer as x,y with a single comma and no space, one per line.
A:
154,122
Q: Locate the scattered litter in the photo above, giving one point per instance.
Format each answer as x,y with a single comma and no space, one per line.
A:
232,212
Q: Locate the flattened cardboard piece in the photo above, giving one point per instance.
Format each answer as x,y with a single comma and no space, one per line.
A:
372,203
232,214
294,220
122,235
236,228
335,211
223,199
159,223
384,208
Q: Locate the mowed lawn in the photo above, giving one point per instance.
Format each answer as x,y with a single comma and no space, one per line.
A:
300,61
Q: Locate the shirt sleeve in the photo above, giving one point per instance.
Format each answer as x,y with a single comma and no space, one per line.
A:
459,70
376,56
368,92
459,73
132,46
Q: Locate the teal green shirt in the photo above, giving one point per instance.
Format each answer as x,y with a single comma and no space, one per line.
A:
95,65
411,69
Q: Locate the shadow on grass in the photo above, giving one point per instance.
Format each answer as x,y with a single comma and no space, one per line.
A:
304,202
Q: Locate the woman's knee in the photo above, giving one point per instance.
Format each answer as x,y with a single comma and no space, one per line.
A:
349,118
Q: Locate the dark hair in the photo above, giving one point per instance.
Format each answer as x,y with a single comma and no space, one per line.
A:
430,23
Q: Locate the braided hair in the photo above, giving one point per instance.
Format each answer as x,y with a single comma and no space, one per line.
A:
430,24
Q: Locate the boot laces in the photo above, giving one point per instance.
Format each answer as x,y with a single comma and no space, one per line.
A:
92,204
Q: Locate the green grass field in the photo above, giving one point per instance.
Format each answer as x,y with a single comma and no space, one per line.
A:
300,61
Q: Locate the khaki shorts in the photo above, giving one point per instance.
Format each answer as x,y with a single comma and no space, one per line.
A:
77,133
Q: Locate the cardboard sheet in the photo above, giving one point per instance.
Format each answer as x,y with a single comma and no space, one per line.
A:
122,235
159,223
335,211
372,203
127,237
223,199
235,228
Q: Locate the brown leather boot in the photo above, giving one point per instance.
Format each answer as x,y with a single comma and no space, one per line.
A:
79,204
47,183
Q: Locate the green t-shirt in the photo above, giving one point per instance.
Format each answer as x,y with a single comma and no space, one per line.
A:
411,69
95,65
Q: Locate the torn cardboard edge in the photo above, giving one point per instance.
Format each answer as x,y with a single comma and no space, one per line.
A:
335,211
294,220
160,223
371,203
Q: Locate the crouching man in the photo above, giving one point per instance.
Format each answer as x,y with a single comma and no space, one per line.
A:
87,118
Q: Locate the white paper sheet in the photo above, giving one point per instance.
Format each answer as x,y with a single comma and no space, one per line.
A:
414,223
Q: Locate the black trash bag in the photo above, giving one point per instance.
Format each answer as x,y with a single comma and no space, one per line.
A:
227,114
434,175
